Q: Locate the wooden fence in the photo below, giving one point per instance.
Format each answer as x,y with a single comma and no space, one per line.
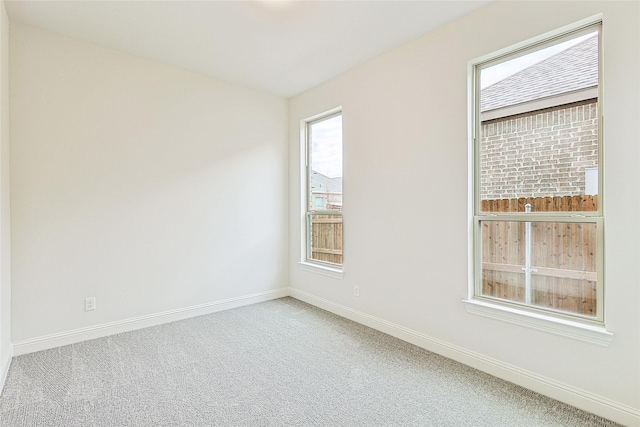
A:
543,204
563,255
326,238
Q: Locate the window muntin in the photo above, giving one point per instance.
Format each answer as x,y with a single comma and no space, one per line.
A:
323,195
538,219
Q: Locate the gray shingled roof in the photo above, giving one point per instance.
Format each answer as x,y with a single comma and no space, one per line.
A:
320,183
573,69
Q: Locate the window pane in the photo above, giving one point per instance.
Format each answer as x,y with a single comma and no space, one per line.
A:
325,163
539,130
324,190
556,270
325,238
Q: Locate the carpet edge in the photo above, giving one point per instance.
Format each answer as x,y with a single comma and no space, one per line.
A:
110,328
5,369
565,393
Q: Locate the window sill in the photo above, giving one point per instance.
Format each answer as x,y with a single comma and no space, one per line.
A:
336,273
566,328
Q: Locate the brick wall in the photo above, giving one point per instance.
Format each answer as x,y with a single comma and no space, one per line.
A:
539,154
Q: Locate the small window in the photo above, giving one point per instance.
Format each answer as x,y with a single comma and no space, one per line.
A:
323,201
538,222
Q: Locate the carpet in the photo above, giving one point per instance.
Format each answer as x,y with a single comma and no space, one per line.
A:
277,363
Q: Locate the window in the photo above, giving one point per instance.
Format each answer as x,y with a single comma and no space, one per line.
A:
323,195
538,222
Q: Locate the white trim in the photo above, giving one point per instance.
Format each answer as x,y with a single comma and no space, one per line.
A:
4,372
105,329
549,35
543,322
546,323
324,270
324,115
305,170
571,395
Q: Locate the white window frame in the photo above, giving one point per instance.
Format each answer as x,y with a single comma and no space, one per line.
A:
307,263
590,329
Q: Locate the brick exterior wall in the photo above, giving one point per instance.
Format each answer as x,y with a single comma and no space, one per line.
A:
540,154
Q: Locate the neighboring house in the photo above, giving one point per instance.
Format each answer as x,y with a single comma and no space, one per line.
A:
326,192
530,115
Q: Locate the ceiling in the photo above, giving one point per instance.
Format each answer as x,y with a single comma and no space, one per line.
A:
279,46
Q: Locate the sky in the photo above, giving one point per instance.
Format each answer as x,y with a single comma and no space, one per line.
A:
505,69
326,147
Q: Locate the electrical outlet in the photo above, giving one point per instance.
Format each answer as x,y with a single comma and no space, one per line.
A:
356,290
89,304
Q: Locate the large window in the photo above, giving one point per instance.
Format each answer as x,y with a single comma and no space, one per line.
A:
323,195
538,224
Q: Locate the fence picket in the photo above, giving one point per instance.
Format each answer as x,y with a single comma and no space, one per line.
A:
563,254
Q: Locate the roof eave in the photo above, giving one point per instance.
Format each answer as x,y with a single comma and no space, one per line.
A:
541,103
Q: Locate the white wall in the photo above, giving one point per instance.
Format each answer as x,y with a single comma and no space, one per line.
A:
5,221
406,204
148,187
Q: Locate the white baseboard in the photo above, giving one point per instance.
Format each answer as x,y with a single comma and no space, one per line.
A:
4,369
98,331
584,400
